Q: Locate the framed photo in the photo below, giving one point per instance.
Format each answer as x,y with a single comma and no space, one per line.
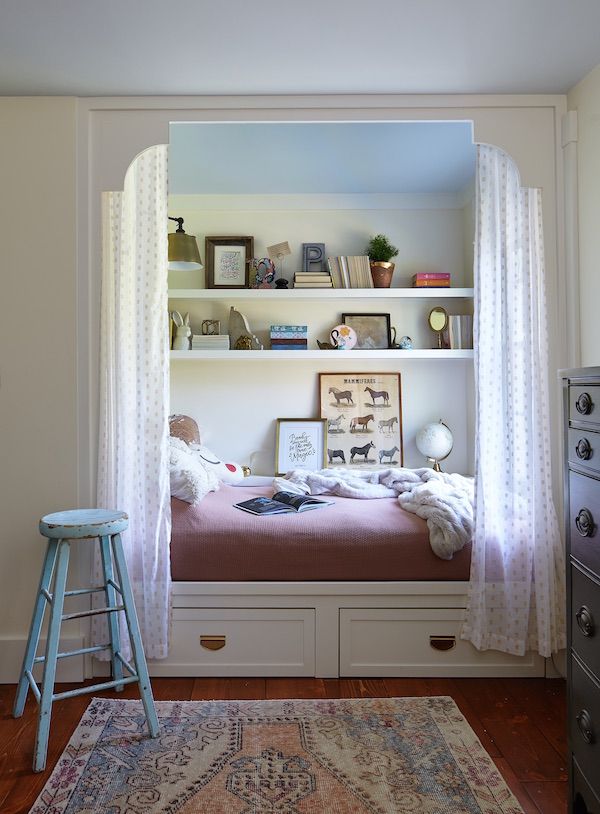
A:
228,261
301,444
364,419
372,330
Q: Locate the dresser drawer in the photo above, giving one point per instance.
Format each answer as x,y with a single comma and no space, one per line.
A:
584,516
584,448
585,799
585,719
585,618
584,402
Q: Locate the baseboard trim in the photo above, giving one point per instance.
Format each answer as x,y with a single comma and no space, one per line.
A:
12,650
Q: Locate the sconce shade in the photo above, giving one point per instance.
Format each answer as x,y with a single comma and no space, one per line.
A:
184,254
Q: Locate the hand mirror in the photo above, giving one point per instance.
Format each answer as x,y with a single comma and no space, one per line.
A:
438,320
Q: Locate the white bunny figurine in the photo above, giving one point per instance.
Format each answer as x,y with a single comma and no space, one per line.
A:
183,332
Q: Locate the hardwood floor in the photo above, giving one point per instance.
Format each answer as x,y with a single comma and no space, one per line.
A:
521,723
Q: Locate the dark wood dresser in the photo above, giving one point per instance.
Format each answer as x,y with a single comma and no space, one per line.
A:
581,398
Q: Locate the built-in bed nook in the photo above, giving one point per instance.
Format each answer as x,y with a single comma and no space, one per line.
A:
357,588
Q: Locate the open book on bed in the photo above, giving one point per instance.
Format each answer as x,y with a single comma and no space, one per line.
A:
281,503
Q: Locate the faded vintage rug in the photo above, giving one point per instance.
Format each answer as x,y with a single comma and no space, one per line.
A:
359,756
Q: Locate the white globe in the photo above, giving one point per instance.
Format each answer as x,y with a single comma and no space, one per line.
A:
435,441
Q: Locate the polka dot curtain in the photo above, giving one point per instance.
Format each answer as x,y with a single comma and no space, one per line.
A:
133,472
517,599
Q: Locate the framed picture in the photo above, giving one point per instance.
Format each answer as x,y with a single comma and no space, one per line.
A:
228,261
364,419
372,330
301,444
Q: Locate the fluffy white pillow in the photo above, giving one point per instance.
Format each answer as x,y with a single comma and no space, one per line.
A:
226,472
190,478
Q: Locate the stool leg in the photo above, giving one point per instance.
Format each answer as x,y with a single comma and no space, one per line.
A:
35,628
113,620
139,659
58,598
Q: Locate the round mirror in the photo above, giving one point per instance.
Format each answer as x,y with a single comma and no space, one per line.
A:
438,319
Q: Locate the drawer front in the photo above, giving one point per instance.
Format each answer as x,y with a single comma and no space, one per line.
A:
584,402
585,799
417,642
584,520
585,719
243,641
584,448
585,619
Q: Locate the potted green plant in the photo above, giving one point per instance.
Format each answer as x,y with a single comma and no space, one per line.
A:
380,252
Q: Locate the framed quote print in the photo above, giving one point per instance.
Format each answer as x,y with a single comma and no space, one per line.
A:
364,419
300,444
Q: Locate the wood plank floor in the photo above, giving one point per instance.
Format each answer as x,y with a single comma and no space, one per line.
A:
521,723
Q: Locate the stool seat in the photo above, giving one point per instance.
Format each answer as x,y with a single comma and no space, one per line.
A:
78,524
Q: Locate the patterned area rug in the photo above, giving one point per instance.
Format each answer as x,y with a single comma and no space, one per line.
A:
359,756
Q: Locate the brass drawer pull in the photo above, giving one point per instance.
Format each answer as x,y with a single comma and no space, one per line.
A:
583,450
213,642
586,726
584,404
442,642
585,621
584,522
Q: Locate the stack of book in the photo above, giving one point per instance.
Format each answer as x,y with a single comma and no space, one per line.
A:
312,279
350,271
212,342
289,337
431,279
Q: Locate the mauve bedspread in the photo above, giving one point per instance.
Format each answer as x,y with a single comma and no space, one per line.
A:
351,540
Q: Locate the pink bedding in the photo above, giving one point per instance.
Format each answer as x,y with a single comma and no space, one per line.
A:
351,540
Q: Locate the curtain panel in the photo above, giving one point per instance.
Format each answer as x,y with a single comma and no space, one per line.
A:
133,471
517,594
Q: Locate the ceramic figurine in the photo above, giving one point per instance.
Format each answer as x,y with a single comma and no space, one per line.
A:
405,343
183,331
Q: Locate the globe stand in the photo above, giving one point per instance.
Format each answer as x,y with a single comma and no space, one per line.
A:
434,441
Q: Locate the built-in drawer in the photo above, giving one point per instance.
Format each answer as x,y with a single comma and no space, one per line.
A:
584,516
584,402
418,642
585,718
584,448
585,799
585,618
241,642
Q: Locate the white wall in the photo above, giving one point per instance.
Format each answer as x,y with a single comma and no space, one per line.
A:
585,99
38,408
428,230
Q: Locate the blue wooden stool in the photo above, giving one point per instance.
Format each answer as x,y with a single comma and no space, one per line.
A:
60,529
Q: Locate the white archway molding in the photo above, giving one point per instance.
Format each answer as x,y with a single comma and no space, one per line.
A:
112,132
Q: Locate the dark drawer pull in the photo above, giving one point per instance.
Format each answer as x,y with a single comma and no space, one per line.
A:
442,642
585,523
585,621
584,404
583,450
586,726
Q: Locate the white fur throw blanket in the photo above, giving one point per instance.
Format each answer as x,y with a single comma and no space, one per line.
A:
444,500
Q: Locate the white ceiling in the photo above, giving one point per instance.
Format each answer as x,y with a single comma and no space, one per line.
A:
390,157
130,47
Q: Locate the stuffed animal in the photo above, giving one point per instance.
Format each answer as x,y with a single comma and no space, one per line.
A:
195,470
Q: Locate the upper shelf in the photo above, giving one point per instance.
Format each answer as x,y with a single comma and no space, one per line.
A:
318,293
299,355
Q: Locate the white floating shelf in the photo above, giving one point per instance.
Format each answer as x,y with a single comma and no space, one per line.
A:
299,355
319,293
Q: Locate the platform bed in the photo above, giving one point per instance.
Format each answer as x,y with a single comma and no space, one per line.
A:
387,626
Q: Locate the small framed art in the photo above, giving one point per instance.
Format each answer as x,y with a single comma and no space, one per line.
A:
364,419
301,443
372,330
228,261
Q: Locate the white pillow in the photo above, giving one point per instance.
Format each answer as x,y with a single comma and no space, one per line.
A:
191,480
225,472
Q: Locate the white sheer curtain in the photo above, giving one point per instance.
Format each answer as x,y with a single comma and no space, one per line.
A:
517,599
133,470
